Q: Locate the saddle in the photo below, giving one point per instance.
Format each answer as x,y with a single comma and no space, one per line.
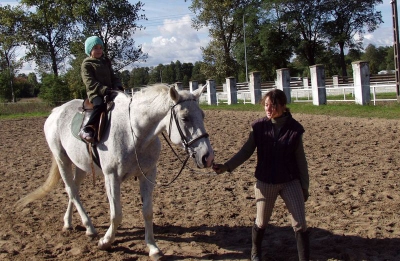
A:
82,116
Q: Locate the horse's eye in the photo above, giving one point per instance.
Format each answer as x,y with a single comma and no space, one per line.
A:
185,119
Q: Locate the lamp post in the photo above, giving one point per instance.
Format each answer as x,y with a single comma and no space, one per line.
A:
245,53
396,46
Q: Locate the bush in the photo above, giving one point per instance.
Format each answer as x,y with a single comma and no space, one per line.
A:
54,89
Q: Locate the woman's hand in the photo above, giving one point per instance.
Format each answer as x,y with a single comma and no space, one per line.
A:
219,168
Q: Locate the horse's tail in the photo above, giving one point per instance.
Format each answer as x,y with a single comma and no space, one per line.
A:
51,181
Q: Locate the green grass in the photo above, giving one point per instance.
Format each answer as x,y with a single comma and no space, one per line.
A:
383,110
25,108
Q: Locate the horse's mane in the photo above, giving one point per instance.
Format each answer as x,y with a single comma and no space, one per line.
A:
157,90
153,90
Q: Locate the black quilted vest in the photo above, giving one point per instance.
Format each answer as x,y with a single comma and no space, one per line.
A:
276,162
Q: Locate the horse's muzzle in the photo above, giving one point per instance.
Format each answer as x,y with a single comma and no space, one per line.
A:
207,159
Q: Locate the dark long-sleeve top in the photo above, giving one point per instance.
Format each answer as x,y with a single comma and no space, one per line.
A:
249,147
97,75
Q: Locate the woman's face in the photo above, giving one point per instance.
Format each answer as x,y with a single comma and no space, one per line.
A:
273,111
97,51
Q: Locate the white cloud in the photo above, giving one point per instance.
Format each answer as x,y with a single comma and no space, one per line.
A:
176,40
381,37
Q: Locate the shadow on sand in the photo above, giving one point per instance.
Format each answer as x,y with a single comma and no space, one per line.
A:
279,243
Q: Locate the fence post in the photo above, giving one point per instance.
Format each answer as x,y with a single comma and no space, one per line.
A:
283,82
231,90
193,85
305,83
361,77
335,81
179,86
318,84
255,87
211,92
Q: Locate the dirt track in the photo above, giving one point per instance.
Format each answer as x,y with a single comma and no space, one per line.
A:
353,210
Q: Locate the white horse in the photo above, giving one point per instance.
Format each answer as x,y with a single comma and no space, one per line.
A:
130,147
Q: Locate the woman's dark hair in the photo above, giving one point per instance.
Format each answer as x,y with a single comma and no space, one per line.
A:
276,97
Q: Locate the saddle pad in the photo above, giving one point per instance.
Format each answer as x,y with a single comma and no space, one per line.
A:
76,124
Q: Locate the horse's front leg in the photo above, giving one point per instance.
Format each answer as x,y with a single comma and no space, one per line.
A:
146,191
113,188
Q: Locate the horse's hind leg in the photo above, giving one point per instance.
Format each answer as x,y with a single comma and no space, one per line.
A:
78,178
146,191
72,183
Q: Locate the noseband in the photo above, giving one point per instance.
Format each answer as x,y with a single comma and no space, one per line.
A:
186,144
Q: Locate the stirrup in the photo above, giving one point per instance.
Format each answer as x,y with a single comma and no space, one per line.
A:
87,133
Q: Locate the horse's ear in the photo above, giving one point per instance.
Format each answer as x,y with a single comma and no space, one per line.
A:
173,93
199,91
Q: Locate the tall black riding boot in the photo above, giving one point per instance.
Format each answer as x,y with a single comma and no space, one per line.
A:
303,245
257,235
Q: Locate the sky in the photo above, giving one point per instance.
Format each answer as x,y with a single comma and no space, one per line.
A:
169,36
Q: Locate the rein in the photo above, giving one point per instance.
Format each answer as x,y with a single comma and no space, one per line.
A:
185,142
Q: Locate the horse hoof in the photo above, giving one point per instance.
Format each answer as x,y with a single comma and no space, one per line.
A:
66,229
103,246
91,234
156,256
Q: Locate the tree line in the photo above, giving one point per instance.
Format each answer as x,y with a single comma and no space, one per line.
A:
246,35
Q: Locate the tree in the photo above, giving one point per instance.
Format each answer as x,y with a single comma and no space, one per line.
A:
390,59
156,74
268,43
197,75
376,57
115,22
304,20
224,21
139,77
73,76
24,87
32,80
168,73
178,71
50,28
54,89
186,71
347,19
10,39
125,77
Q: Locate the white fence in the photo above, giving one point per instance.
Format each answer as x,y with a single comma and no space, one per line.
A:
299,94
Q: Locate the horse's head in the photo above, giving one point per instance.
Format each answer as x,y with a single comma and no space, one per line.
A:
187,126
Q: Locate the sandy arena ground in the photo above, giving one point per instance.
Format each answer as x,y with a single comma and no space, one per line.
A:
353,209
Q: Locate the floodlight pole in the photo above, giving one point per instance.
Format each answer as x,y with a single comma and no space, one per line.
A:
396,47
245,52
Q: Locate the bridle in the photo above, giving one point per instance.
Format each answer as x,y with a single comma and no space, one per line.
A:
186,144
